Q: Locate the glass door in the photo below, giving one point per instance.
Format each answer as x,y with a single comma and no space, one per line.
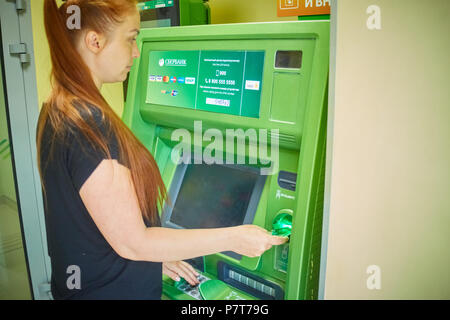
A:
14,280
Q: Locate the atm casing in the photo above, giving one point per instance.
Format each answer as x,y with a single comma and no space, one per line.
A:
294,101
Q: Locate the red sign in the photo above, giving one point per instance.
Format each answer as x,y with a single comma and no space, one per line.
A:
287,8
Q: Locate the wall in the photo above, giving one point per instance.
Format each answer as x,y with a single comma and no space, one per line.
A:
389,151
113,93
237,11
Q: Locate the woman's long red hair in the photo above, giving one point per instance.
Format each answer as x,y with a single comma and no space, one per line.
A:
72,83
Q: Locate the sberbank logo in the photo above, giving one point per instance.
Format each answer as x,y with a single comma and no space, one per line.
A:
172,62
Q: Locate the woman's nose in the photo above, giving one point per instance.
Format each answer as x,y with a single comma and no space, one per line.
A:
136,53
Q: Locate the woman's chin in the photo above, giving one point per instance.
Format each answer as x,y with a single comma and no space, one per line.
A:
122,77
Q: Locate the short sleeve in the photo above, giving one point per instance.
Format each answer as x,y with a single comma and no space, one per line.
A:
82,156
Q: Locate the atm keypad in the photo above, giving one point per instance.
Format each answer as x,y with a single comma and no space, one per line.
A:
193,291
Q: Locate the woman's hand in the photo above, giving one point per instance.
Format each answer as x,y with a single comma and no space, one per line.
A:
182,269
253,241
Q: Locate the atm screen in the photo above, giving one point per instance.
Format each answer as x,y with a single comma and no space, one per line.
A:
228,82
215,196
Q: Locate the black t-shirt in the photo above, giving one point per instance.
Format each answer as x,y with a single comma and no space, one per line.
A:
84,265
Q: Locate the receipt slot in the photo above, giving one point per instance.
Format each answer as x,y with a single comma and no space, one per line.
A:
235,117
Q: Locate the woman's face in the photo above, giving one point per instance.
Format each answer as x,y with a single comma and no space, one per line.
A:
114,61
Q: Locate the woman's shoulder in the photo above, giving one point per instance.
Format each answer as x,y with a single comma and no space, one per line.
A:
96,123
89,111
94,118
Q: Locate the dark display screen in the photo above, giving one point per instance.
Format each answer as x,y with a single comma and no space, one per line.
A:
213,196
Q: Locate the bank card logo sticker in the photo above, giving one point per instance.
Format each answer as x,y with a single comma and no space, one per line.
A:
180,79
252,85
173,79
173,93
161,62
166,79
190,80
159,78
152,78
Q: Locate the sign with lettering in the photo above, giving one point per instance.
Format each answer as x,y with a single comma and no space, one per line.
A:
288,8
227,82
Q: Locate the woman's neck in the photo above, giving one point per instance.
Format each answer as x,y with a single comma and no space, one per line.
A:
98,82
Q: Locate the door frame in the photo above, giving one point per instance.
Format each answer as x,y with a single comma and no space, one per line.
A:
23,112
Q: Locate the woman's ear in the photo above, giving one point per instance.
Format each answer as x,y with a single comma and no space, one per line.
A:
94,41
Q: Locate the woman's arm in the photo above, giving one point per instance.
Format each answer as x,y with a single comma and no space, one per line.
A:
110,198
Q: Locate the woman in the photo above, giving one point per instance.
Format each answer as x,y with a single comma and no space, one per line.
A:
101,185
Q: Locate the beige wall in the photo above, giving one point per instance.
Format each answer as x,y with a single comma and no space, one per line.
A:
113,93
236,11
389,202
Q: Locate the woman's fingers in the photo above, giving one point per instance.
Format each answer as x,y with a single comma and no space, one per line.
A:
191,268
187,273
172,274
182,269
253,241
277,240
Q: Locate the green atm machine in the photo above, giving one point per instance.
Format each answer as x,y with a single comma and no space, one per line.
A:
235,116
170,13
